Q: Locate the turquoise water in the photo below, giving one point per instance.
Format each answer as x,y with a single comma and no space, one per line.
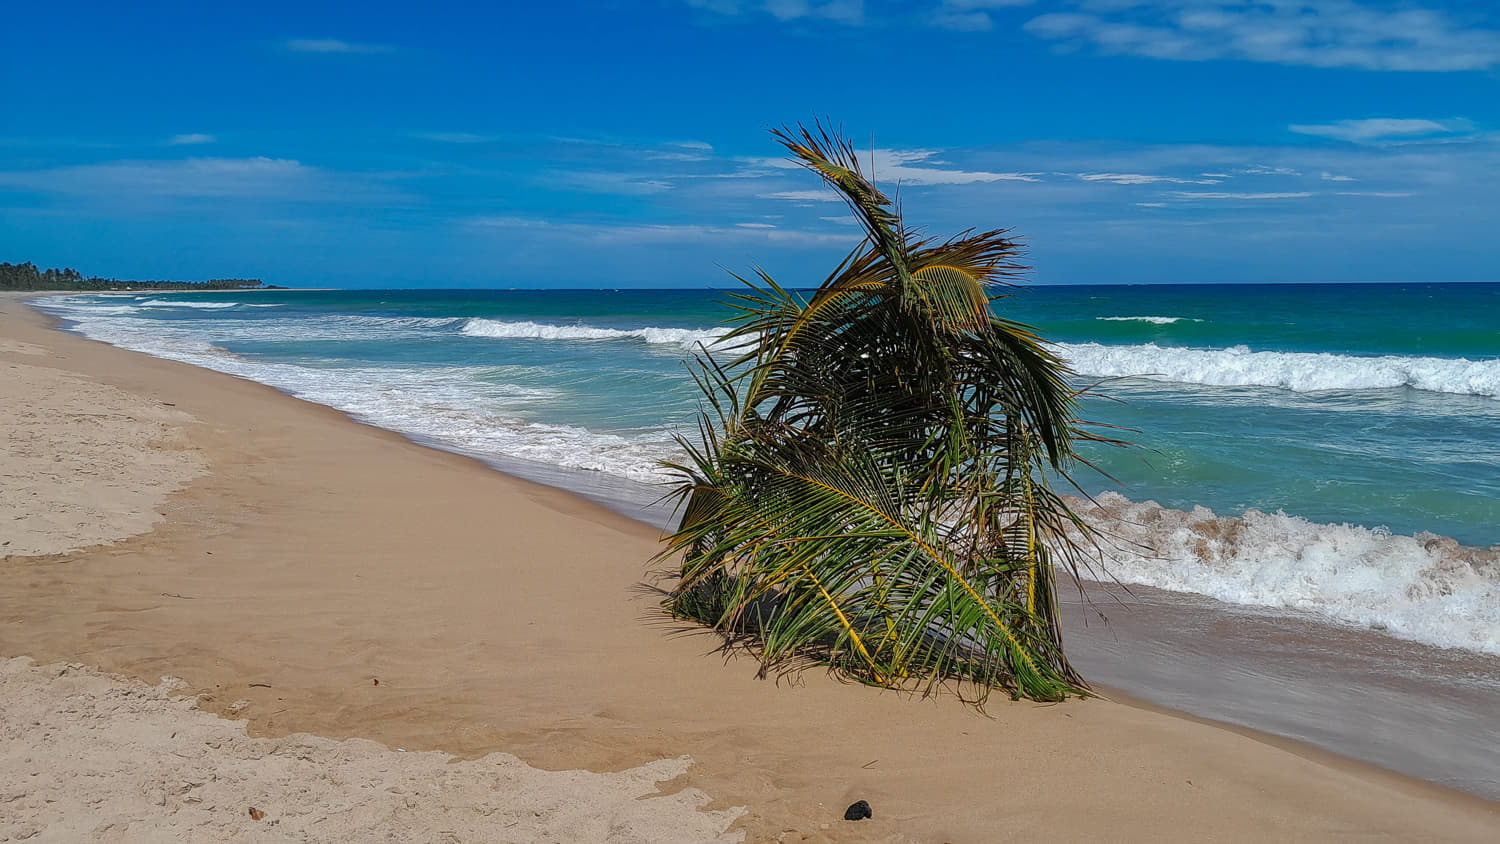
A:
1356,416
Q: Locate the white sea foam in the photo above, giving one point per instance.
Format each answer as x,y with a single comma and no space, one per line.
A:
1154,320
469,408
1425,588
685,337
183,303
1300,371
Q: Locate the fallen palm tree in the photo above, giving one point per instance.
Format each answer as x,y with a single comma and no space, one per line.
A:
870,484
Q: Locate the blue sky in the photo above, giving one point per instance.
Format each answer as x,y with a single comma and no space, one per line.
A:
613,144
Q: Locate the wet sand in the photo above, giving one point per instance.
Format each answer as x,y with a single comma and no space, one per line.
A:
318,555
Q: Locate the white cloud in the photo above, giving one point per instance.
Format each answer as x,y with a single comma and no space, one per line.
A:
890,166
1389,194
755,225
652,233
1318,33
1262,170
1383,129
970,15
1199,195
1152,204
1329,177
839,11
452,137
332,45
962,21
1140,179
190,139
249,178
803,195
627,184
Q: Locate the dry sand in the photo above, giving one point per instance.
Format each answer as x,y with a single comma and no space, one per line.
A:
317,556
86,756
90,465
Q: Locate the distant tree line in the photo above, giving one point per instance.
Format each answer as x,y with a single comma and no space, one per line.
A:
27,277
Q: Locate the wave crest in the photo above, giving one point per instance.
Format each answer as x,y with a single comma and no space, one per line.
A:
685,337
1154,320
1425,588
1238,366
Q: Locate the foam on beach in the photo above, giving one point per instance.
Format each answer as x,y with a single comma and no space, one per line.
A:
1425,588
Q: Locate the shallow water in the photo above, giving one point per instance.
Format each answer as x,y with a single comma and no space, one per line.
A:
1347,439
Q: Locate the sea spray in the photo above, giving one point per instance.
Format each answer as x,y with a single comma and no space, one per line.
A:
1425,588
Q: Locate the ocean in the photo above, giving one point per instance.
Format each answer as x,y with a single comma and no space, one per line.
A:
1316,464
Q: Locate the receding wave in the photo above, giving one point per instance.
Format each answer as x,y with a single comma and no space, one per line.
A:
684,337
1426,588
470,408
176,303
1300,371
1154,320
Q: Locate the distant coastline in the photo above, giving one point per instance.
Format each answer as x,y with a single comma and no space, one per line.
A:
28,276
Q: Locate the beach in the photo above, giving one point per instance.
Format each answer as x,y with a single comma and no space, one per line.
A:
312,575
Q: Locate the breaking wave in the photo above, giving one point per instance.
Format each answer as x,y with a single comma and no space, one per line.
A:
1299,371
685,337
1426,588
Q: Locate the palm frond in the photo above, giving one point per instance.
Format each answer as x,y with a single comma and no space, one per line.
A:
869,486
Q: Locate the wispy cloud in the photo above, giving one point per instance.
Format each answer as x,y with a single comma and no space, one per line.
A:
970,15
658,233
452,137
1263,170
681,151
1191,196
247,178
333,45
802,195
922,167
191,139
1385,129
1316,33
838,11
1330,177
625,184
1141,179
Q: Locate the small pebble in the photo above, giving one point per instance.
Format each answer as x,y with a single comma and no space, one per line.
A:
857,811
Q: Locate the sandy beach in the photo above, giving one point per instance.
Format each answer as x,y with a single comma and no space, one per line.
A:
317,581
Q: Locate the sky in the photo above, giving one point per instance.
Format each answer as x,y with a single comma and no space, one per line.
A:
626,144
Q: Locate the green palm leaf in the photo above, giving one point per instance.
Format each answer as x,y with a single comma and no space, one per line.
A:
869,483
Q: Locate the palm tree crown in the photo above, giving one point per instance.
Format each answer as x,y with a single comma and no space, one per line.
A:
870,485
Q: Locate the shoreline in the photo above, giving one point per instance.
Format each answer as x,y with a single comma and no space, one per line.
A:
281,472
